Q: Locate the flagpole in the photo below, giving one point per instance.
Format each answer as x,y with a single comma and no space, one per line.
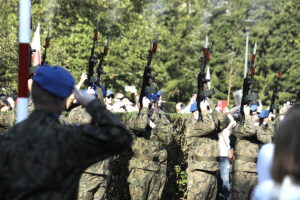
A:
24,59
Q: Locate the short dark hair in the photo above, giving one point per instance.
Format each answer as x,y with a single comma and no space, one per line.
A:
286,159
41,96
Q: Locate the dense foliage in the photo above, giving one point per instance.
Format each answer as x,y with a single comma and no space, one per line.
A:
181,27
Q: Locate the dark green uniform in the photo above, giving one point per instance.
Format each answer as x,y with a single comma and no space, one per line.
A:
7,119
148,165
202,141
43,159
94,181
249,140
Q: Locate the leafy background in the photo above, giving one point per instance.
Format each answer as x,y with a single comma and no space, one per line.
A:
181,27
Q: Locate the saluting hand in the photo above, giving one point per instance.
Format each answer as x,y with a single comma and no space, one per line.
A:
83,98
146,102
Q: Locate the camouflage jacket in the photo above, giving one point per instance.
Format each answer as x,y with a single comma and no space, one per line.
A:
43,159
149,145
249,140
7,119
79,115
202,140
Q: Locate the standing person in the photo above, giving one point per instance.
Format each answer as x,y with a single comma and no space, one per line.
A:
43,159
7,119
225,152
148,165
95,179
109,99
284,183
250,136
202,141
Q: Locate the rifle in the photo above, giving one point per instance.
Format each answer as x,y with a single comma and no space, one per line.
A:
275,92
102,55
146,86
92,61
249,95
202,92
47,44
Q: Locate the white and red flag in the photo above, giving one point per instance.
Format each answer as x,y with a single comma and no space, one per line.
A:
208,77
36,45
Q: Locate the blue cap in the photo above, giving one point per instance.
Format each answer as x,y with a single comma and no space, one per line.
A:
194,107
109,92
56,80
264,114
253,107
154,96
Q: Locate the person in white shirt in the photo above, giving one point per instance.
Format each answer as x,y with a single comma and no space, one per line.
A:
224,145
284,183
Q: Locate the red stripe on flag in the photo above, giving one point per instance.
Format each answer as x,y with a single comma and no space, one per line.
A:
253,58
24,59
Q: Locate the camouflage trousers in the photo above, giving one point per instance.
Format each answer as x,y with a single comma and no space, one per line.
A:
146,184
92,187
201,185
243,184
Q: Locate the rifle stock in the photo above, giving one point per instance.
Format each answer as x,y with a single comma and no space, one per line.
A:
92,60
47,44
201,92
248,92
275,92
147,76
100,70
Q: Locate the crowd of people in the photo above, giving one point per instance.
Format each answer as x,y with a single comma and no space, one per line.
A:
45,156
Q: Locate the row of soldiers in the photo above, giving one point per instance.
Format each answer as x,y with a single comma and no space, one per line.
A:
152,134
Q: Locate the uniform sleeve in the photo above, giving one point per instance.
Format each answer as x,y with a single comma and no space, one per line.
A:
245,130
92,143
201,128
265,135
163,131
140,123
223,121
7,119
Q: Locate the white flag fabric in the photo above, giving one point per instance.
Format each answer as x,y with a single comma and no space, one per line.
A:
208,77
237,95
36,45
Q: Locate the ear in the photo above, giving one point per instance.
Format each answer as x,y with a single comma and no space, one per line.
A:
60,103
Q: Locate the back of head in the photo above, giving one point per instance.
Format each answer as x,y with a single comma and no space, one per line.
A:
287,155
51,82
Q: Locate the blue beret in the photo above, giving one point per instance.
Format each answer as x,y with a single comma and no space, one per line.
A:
56,80
264,114
253,107
154,96
194,107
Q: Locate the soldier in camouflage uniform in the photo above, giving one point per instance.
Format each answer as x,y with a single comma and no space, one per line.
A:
202,142
250,137
94,180
43,159
7,119
148,165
